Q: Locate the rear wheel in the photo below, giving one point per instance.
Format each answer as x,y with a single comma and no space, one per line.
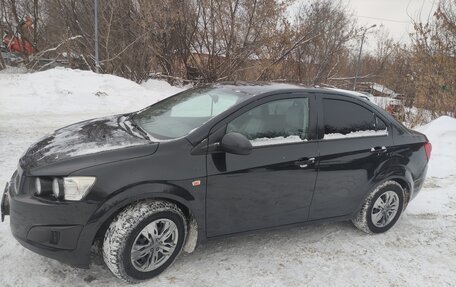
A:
382,208
144,239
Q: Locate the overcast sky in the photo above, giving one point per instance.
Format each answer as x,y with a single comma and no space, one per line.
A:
394,15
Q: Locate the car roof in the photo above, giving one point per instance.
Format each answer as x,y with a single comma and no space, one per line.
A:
257,88
260,88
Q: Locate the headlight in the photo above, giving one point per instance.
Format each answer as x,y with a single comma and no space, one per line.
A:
76,187
57,188
43,186
68,188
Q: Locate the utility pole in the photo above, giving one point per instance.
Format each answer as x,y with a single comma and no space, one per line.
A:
358,62
97,60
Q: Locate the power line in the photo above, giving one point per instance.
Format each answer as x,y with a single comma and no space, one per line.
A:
384,19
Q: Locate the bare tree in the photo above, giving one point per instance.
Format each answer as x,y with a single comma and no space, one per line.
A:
434,61
231,34
313,47
320,59
216,40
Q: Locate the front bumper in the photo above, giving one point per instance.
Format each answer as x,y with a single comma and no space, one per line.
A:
58,230
4,204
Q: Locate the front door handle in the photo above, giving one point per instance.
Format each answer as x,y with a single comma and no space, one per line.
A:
305,162
379,149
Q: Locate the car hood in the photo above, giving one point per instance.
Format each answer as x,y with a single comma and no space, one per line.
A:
81,139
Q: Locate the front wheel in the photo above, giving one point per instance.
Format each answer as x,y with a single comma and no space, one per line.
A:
382,208
144,239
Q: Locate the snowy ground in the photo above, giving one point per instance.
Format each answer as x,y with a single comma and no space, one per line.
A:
419,250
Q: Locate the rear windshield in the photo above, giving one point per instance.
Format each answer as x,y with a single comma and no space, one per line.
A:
178,115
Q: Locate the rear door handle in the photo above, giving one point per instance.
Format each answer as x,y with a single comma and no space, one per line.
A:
305,162
379,149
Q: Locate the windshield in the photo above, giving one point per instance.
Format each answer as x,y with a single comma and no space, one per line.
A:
178,115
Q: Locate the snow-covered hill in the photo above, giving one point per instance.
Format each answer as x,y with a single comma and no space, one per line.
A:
63,91
442,134
419,250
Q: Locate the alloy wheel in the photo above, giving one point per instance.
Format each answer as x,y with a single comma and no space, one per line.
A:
385,209
154,245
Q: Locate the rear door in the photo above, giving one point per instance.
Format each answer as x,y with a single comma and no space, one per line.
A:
274,184
352,150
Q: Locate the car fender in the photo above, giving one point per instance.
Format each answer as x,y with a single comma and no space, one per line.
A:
107,210
398,173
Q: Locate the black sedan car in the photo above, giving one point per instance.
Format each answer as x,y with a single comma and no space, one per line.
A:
210,162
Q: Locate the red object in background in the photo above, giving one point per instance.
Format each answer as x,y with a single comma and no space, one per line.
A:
17,45
389,109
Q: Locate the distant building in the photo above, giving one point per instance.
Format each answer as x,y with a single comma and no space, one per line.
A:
378,90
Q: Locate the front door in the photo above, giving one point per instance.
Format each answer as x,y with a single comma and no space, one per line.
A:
274,184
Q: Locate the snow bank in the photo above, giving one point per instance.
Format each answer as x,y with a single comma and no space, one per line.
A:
65,91
161,85
441,132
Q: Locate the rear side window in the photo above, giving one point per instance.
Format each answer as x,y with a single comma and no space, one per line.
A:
276,122
345,119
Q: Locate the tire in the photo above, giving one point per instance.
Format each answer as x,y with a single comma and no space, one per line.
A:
131,228
372,219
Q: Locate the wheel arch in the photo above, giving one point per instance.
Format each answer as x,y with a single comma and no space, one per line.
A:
406,186
403,176
117,203
399,174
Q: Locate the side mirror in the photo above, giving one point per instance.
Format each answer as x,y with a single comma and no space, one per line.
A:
235,143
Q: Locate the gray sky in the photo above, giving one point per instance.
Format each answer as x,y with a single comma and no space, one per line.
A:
394,15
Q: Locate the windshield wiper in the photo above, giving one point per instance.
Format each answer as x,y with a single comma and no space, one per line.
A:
133,124
139,129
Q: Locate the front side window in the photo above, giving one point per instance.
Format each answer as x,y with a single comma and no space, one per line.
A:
281,121
180,114
345,119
